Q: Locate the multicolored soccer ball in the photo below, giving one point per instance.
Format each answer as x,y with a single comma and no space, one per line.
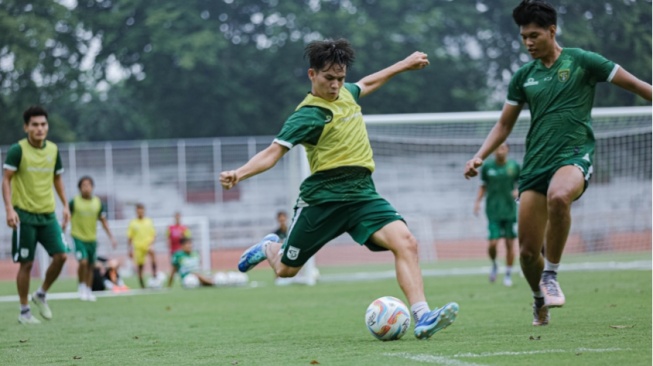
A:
387,318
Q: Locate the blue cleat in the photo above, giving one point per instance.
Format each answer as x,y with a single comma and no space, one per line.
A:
255,254
436,320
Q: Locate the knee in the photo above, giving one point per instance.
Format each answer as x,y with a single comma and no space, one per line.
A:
408,245
528,255
285,271
26,266
83,262
60,258
558,203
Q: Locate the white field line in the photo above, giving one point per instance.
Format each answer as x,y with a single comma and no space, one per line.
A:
644,265
453,359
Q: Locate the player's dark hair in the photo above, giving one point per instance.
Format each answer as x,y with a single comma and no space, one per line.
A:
82,179
326,53
539,12
282,212
34,111
183,240
140,205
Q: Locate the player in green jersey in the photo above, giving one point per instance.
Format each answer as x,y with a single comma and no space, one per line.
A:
339,196
558,86
186,261
499,177
31,168
86,210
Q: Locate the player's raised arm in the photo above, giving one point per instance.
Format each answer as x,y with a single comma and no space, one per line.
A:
628,81
497,136
370,83
259,163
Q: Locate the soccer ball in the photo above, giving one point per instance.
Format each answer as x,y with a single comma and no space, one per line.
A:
190,281
387,318
156,282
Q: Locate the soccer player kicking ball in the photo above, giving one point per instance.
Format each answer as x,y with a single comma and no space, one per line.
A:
85,210
31,168
558,86
339,196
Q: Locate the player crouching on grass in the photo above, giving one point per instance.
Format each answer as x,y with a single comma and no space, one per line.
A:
186,261
340,196
558,86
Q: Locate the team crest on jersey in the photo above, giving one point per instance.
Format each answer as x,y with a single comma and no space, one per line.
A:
293,253
563,75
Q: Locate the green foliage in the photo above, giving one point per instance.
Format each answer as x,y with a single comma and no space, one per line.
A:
215,68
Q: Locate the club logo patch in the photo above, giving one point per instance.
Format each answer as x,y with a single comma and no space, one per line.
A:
24,252
563,75
293,253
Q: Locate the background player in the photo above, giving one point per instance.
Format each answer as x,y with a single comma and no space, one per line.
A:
339,196
499,177
85,210
175,233
558,86
140,237
186,261
32,166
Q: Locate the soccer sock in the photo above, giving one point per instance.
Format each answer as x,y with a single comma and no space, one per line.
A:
81,287
24,309
508,271
40,292
550,267
418,310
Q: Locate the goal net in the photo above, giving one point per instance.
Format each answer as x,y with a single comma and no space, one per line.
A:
420,160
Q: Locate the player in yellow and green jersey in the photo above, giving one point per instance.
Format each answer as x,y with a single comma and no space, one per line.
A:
499,177
86,210
339,196
31,168
558,86
140,237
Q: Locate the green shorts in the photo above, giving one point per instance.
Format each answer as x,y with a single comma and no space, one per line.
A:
501,229
85,250
314,226
540,183
33,228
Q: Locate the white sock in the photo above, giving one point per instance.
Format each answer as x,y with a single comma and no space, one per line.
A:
418,310
508,271
548,266
40,291
24,308
538,294
81,287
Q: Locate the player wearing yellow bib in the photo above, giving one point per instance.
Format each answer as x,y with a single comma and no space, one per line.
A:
140,237
31,168
558,86
85,210
339,196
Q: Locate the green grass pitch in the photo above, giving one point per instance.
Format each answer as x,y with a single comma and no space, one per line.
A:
606,321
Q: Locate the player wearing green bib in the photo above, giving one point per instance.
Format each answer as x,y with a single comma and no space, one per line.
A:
86,210
339,196
558,86
186,261
31,168
499,177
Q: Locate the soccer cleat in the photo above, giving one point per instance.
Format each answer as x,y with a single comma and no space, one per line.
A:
42,304
493,273
540,315
553,296
507,281
28,319
255,254
436,320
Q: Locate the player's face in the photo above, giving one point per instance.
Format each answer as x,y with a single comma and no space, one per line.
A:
86,188
326,83
140,212
37,129
177,218
539,41
501,152
188,247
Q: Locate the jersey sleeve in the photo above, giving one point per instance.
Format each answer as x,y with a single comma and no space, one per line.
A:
304,126
58,165
483,175
103,211
14,155
71,206
187,233
598,66
354,89
516,94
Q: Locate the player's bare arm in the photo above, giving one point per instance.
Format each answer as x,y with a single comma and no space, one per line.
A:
105,226
497,136
479,198
259,163
12,216
628,81
370,83
61,192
